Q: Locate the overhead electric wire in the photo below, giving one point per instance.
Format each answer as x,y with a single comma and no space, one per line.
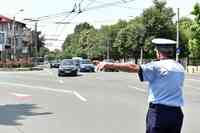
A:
74,10
91,2
64,14
106,5
119,5
86,9
62,20
77,8
54,15
61,14
63,28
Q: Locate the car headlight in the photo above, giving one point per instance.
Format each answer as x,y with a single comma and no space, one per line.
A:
74,68
60,68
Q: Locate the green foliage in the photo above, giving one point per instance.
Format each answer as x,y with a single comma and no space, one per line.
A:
195,48
194,43
83,26
43,51
158,20
54,55
130,39
125,39
185,35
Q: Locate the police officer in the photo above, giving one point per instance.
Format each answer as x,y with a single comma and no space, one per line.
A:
165,77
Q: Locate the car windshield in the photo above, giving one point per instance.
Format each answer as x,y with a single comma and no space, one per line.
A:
67,62
54,61
86,62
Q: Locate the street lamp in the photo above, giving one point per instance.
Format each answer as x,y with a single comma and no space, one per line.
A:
13,41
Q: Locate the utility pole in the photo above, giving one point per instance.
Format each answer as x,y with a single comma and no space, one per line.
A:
108,50
141,55
13,41
13,44
36,40
35,35
177,37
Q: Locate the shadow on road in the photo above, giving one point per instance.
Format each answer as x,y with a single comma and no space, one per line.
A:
10,114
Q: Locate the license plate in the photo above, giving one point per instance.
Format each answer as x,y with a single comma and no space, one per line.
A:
67,71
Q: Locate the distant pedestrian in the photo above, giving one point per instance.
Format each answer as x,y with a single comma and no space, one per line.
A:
165,78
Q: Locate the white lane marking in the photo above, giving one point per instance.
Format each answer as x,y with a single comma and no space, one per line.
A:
194,80
55,76
61,81
136,88
37,87
47,89
79,96
21,96
192,87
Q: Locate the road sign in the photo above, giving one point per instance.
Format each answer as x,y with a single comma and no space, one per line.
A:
178,50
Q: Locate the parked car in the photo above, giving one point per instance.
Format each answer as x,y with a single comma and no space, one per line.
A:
77,60
67,67
54,64
86,66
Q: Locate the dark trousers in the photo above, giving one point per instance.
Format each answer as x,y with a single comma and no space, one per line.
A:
164,119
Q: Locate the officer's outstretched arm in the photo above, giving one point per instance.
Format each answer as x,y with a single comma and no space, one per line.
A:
127,67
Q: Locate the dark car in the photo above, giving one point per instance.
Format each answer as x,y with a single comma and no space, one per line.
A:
86,66
67,67
54,64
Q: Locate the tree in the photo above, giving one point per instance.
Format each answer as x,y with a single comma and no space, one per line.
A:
109,34
68,41
43,52
83,26
129,40
55,55
158,20
41,42
194,44
185,35
73,45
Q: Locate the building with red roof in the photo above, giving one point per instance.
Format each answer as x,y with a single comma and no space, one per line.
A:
8,35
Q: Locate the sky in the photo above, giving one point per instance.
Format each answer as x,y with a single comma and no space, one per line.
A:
109,14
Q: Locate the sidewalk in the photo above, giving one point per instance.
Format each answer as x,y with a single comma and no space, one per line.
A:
193,69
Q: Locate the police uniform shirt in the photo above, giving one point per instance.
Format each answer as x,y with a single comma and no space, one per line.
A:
165,79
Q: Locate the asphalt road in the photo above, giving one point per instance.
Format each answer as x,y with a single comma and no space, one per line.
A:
41,102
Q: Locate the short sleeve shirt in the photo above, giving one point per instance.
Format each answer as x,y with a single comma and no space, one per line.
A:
165,79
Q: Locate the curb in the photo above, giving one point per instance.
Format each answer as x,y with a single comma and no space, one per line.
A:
193,69
22,69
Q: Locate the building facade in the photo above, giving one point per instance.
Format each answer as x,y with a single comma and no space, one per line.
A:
13,40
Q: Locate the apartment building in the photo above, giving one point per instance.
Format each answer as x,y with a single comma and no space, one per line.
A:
8,48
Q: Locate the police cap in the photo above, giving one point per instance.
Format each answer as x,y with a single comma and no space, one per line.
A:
165,45
162,43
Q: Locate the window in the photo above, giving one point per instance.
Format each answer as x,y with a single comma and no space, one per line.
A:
2,38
